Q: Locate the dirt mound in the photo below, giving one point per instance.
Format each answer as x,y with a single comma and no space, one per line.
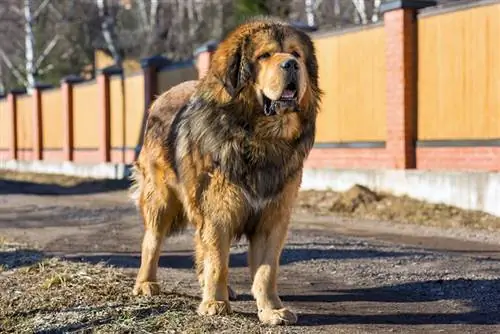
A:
361,202
356,197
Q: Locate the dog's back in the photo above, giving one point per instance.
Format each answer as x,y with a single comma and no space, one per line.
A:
146,172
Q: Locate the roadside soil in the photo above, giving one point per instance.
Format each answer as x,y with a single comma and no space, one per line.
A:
354,262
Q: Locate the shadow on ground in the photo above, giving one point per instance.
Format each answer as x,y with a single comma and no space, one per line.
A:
237,260
469,291
85,187
20,258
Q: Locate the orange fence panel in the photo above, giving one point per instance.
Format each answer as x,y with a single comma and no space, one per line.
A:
134,109
24,122
52,119
459,74
5,130
352,74
86,115
171,77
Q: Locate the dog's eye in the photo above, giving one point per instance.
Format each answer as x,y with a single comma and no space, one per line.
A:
264,56
295,54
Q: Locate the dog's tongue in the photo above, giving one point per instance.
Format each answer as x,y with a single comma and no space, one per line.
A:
288,94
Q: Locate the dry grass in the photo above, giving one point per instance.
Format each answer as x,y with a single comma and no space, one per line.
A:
50,295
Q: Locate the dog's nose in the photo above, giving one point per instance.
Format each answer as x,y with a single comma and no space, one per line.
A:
290,64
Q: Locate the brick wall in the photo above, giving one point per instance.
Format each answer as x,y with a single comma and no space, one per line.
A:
459,158
348,158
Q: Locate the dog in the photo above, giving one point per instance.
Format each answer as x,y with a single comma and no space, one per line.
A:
226,154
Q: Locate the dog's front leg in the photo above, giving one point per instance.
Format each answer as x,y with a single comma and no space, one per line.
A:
221,211
266,245
215,245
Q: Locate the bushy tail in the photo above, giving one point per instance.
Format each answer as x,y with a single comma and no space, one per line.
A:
137,181
172,213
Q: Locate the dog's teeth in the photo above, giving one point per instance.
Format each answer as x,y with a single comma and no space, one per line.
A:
267,110
288,94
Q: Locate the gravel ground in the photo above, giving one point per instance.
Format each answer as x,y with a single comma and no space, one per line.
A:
341,274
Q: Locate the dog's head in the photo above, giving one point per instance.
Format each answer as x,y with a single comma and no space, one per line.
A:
268,61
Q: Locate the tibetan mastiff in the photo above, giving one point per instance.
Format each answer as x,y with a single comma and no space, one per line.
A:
226,155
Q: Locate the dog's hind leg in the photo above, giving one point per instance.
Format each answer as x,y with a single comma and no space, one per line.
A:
162,214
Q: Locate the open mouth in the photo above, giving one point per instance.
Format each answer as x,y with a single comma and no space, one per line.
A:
287,100
289,93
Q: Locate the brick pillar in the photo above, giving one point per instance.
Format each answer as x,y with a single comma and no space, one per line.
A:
105,111
203,57
37,121
150,67
12,107
67,108
400,24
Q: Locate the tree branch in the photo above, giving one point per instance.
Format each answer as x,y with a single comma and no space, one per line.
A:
153,14
46,51
143,13
42,6
12,68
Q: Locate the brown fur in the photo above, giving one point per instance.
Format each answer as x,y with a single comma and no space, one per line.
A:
212,158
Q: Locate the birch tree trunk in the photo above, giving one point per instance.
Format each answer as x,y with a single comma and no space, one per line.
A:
361,10
376,7
106,32
29,42
310,7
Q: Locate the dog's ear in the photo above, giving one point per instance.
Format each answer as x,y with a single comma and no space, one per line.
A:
238,70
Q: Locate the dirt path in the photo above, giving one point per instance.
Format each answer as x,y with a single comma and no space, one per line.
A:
340,275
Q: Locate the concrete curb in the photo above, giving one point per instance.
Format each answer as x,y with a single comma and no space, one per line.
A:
98,170
467,190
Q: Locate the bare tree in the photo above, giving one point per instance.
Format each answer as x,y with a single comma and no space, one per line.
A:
376,8
29,41
107,33
310,4
33,62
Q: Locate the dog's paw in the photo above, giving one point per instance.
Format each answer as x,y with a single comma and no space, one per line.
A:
232,295
214,307
277,317
146,289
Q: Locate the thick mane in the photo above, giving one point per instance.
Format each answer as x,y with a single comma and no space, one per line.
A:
225,127
261,167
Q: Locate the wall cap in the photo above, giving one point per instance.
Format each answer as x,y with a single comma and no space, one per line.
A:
455,7
209,46
405,4
72,79
154,61
18,91
110,70
303,26
42,86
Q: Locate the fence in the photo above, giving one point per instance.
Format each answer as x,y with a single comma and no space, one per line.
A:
419,90
85,121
